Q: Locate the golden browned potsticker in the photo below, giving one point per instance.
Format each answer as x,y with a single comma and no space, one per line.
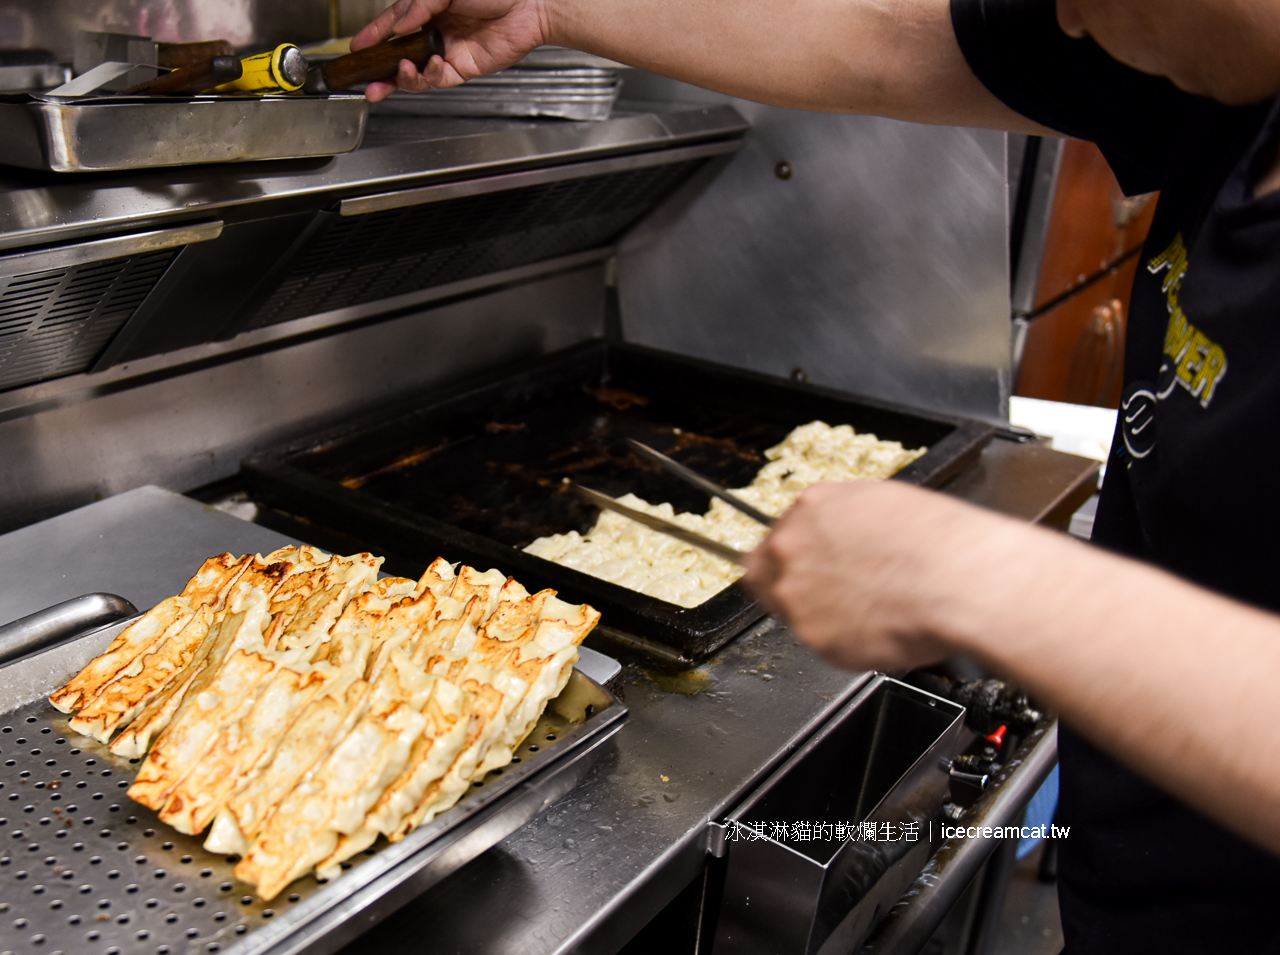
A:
299,707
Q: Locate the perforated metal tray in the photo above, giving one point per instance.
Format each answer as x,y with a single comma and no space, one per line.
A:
83,868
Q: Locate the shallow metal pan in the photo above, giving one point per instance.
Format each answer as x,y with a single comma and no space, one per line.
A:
85,869
477,474
517,77
532,95
138,133
582,109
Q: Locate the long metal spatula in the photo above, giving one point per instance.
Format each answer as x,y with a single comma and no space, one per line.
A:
658,524
703,484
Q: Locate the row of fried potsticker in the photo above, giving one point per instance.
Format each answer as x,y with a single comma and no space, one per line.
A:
304,707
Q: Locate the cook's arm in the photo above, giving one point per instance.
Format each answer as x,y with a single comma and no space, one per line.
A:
895,58
1174,681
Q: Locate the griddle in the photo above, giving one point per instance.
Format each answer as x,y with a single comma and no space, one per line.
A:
477,473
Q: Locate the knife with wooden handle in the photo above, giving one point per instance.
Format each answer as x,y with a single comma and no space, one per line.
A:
175,56
190,80
378,62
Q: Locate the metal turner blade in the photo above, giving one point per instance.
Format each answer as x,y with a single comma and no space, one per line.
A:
663,526
703,484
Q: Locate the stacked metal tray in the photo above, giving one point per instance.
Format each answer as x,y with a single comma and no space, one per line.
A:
581,93
550,81
478,474
84,869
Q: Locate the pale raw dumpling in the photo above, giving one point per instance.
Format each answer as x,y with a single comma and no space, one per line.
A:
639,558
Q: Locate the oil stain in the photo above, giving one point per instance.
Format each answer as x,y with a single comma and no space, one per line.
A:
684,682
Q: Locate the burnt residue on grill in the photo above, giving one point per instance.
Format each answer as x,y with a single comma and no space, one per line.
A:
618,398
479,472
506,477
416,456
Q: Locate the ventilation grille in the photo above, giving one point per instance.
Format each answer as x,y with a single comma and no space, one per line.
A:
371,257
57,322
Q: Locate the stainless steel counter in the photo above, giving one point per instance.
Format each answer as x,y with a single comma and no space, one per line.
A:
596,866
1029,481
139,545
593,869
46,207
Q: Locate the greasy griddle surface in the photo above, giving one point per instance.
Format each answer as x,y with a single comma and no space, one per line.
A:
476,474
505,478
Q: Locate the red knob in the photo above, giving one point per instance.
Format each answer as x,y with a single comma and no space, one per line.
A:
996,739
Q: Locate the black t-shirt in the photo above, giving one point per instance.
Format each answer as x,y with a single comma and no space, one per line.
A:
1191,484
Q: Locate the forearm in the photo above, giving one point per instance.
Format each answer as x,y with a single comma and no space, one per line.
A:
897,59
1172,680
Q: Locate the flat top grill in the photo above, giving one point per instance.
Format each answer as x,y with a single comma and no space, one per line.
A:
505,478
480,474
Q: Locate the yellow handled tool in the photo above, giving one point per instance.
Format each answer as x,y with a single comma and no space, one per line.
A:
282,70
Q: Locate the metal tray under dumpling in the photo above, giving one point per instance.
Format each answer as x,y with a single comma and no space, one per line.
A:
84,869
136,133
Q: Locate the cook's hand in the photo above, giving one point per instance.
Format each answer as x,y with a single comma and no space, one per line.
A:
480,37
865,572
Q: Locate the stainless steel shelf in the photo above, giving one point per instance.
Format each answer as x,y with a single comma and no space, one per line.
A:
40,208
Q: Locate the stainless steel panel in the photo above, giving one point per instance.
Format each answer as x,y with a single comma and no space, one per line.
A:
96,250
205,288
1035,228
1029,233
878,265
881,760
186,431
139,544
345,261
100,137
363,205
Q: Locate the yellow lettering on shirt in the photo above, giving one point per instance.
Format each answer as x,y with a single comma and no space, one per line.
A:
1209,373
1199,363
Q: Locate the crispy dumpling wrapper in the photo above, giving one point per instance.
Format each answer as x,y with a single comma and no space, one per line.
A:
299,708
